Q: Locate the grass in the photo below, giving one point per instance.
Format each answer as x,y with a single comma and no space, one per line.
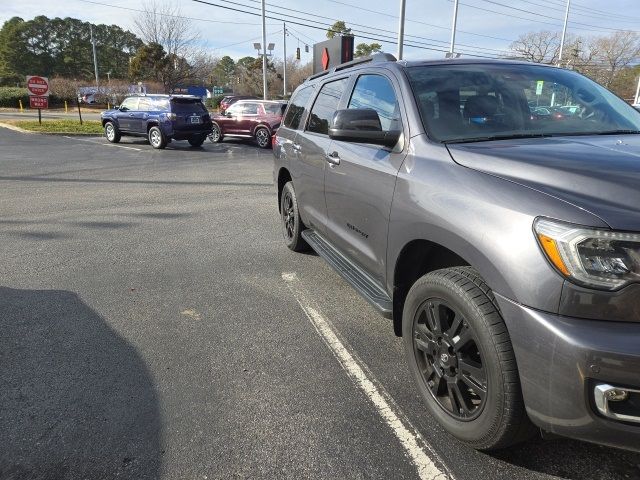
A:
59,126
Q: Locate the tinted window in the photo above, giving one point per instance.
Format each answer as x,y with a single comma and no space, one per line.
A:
274,108
376,92
483,101
130,103
234,109
325,106
250,109
146,104
161,104
188,106
296,107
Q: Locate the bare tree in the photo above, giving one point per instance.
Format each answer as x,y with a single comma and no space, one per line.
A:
539,47
163,24
614,53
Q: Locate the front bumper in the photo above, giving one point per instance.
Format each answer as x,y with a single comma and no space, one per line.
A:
561,361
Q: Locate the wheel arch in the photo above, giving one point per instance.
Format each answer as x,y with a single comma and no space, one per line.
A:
417,258
261,125
284,176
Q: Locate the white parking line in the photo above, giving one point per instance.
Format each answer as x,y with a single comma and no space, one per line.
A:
103,144
414,444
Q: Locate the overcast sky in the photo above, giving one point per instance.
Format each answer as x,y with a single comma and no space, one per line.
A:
485,27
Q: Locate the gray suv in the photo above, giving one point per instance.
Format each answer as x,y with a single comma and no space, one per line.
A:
504,245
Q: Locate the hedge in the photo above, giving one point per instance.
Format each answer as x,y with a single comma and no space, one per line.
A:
10,97
214,101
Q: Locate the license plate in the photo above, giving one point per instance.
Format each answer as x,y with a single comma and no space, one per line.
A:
195,119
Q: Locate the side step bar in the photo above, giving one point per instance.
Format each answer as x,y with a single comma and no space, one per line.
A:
359,280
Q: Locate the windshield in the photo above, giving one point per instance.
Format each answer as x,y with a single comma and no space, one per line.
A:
475,102
187,106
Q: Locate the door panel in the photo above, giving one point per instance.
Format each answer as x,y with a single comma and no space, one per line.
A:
312,145
310,149
359,189
126,117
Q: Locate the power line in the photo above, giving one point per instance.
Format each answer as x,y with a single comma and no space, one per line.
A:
167,14
297,21
418,21
389,38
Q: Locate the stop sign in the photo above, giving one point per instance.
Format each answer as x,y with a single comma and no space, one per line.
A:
38,85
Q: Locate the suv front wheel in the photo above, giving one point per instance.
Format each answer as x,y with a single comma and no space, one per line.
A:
111,132
157,138
460,355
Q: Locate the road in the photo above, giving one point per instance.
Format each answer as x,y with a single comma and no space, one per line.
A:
154,325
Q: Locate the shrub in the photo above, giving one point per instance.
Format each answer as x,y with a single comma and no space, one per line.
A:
214,101
10,96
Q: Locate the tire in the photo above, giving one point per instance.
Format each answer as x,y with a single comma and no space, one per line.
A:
263,137
292,225
216,135
197,140
461,358
111,132
157,138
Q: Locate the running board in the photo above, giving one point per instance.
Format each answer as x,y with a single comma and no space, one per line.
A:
359,280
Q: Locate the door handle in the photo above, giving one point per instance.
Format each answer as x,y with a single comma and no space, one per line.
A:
333,158
296,147
131,115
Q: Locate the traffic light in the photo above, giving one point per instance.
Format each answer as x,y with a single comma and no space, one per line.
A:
306,48
298,53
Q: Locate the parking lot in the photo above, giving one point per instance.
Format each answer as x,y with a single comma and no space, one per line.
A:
154,325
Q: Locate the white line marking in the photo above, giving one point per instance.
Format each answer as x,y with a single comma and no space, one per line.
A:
414,444
103,144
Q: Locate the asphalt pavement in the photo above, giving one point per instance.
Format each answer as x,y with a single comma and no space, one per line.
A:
154,325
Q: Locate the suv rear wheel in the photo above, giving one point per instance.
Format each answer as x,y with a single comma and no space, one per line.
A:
263,137
460,355
196,140
292,225
157,138
111,132
216,134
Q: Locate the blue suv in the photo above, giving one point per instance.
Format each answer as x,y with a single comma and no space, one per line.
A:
160,118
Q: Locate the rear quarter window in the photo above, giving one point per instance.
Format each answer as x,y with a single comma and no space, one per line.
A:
296,108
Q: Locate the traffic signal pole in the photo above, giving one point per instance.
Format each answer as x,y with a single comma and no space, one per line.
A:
284,68
264,53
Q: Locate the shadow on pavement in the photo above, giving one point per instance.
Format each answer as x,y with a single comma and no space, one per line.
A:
76,399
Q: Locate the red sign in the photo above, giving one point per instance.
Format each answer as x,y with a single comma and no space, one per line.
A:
325,58
38,85
38,102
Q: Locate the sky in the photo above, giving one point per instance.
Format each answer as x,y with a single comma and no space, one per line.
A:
484,28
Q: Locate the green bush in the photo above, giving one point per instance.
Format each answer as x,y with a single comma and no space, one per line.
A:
214,101
10,97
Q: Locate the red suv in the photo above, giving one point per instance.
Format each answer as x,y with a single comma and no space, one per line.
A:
256,119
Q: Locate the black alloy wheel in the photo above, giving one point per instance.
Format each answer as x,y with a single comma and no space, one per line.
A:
461,358
447,352
292,226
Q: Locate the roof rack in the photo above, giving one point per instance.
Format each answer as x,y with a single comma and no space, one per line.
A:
379,57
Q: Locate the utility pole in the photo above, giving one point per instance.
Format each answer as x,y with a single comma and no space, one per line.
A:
264,54
95,59
453,28
284,68
403,4
564,31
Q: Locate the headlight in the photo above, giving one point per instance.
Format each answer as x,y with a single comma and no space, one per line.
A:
595,258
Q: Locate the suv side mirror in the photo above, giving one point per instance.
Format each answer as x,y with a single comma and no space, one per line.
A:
122,109
361,125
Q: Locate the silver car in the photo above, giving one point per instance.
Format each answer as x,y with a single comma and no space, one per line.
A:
504,245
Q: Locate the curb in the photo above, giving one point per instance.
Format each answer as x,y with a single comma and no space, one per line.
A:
31,132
